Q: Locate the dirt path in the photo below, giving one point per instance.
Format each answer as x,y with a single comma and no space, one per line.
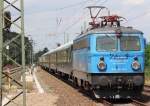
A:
68,96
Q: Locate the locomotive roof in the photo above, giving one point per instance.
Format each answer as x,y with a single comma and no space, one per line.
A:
65,46
109,29
106,29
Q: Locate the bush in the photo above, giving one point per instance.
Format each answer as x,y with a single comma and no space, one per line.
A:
147,56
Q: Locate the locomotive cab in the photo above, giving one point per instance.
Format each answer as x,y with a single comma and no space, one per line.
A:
111,62
117,62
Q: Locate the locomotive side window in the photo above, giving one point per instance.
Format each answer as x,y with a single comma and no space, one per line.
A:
106,43
129,43
81,44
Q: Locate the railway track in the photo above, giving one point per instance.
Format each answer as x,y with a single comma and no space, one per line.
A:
105,102
133,102
147,89
137,103
147,86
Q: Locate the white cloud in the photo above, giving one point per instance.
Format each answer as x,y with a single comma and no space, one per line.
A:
134,2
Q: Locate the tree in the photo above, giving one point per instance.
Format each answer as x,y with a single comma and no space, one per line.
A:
45,50
14,50
40,53
147,55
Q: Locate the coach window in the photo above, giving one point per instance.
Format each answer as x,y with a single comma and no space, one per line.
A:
58,57
69,55
64,56
53,58
81,44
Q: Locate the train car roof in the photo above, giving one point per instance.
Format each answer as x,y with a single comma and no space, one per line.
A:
62,47
110,30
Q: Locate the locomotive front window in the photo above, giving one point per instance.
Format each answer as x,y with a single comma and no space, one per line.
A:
106,43
129,43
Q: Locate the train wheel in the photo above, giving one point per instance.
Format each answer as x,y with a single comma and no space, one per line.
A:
65,76
82,84
86,85
75,81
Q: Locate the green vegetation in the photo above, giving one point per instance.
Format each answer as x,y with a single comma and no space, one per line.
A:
39,54
147,61
14,49
147,55
147,71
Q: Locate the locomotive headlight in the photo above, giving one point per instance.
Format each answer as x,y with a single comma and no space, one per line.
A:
136,65
102,65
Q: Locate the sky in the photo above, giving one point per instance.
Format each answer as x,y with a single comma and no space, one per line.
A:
48,22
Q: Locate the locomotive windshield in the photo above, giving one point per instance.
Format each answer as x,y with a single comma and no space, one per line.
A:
106,43
129,43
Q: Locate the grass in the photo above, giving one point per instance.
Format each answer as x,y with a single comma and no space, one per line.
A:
147,75
147,71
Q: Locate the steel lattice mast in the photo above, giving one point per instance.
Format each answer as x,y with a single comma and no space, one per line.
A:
1,47
18,25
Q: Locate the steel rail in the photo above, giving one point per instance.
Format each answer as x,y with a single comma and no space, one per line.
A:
106,102
138,103
147,86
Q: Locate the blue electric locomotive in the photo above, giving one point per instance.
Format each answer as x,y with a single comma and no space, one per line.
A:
107,59
109,63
